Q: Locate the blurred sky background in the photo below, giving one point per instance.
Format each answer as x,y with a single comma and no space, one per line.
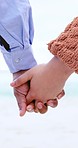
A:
58,128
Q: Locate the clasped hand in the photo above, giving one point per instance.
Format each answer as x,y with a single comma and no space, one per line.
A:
37,88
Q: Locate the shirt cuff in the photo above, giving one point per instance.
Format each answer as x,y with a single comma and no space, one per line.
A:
19,59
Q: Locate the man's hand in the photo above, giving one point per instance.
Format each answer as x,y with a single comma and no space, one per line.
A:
20,93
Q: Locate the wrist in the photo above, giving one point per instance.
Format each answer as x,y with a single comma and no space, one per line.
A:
65,68
61,67
17,74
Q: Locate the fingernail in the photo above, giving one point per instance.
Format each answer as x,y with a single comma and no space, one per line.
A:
30,109
51,104
39,105
21,113
12,83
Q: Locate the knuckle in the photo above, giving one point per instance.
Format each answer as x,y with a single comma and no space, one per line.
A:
32,94
16,93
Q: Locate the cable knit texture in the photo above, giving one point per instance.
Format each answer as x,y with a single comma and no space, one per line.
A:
66,45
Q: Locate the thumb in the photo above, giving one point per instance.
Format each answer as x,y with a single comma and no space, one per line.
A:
22,79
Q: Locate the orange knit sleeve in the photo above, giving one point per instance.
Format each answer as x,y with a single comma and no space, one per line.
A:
66,45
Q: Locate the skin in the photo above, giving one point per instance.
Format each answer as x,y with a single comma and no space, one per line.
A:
46,80
20,93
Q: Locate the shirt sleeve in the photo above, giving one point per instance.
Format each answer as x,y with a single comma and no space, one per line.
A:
16,28
19,59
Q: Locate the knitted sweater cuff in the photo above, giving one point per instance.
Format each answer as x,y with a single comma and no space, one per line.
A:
66,45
